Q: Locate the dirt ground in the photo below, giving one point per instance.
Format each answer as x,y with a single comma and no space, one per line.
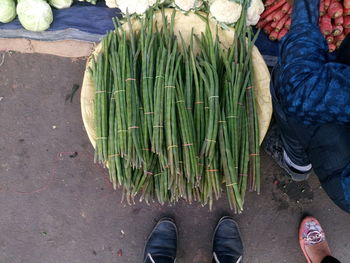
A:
58,207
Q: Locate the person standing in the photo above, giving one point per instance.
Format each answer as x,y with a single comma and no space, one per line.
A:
311,101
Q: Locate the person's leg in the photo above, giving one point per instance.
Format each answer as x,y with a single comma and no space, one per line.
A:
283,145
330,259
227,242
326,147
161,245
313,242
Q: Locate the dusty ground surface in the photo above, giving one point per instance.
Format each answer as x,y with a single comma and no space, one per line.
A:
58,207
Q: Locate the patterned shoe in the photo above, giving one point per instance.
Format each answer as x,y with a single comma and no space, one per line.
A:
311,234
273,146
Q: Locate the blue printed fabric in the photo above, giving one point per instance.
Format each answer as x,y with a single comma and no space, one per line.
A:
311,87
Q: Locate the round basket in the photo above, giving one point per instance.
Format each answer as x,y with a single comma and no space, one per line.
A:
184,24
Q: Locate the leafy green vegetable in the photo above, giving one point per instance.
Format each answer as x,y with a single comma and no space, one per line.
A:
34,15
60,4
7,10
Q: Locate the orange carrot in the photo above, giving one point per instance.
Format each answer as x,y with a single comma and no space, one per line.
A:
326,25
273,35
339,21
272,8
282,33
335,10
337,30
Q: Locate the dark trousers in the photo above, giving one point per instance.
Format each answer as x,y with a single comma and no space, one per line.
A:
330,259
325,146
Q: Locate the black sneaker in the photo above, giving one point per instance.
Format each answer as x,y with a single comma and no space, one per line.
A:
161,245
227,243
273,146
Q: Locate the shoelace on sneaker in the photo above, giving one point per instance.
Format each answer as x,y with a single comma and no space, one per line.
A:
217,260
149,256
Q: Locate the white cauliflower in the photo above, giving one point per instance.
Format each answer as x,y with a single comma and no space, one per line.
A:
225,11
187,5
254,11
111,3
135,6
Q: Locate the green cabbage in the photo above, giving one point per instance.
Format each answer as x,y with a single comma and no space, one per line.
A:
60,4
34,15
7,10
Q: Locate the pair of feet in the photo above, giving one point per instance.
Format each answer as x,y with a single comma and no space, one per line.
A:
161,245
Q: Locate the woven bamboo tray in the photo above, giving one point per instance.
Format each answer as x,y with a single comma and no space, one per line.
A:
184,24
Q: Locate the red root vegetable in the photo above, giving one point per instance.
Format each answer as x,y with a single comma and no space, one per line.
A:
268,29
346,23
327,3
346,11
330,39
331,47
337,30
346,3
339,21
280,24
322,9
286,7
273,35
278,15
326,25
274,24
272,8
290,11
288,23
335,10
262,23
282,33
269,2
339,39
346,31
270,16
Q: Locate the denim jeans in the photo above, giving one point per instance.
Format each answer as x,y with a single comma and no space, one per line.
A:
325,146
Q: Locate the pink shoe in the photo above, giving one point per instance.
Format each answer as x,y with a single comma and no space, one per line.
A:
311,234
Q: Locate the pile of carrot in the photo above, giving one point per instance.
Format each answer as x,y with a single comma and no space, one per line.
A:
334,20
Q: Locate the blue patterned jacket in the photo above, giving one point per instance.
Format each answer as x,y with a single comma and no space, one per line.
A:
311,87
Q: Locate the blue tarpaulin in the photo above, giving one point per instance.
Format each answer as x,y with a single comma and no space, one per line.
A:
87,22
82,21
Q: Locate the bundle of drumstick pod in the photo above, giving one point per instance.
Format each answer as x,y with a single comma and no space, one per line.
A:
334,20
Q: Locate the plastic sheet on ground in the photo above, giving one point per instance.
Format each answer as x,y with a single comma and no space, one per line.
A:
82,21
